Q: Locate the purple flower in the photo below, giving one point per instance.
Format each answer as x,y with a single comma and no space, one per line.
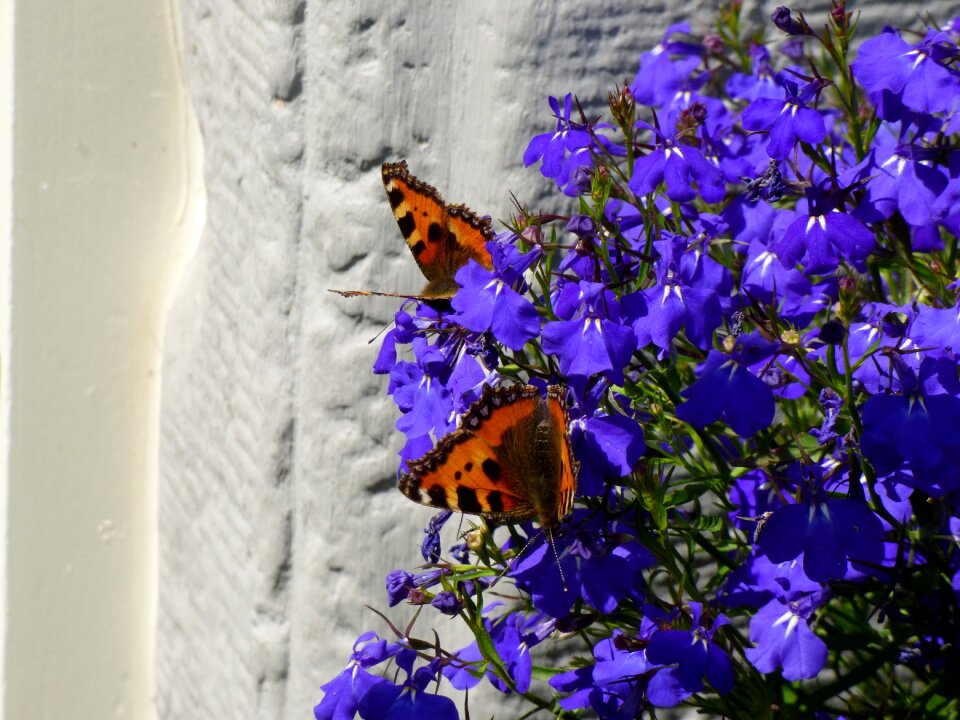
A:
822,235
408,702
679,299
938,328
399,585
784,21
692,655
596,342
594,565
551,148
427,407
590,345
727,389
665,71
917,428
784,639
887,62
901,178
768,281
614,685
512,640
447,602
355,689
680,166
759,83
607,446
430,549
342,695
830,532
485,302
788,120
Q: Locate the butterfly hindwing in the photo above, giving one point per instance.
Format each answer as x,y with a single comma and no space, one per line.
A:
569,466
510,460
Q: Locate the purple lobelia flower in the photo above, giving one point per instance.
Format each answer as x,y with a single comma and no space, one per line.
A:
607,446
410,701
900,178
787,120
889,63
682,167
782,18
400,584
667,68
551,148
916,428
430,548
727,389
690,655
615,685
678,300
512,638
784,639
830,532
595,565
937,328
355,690
488,301
595,342
822,234
759,83
447,602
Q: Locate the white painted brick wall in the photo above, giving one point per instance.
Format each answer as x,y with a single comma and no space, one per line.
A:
278,517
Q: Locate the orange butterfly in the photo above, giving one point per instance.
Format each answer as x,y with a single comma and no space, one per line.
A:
510,460
442,238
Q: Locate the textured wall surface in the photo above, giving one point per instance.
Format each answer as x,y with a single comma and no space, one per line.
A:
278,517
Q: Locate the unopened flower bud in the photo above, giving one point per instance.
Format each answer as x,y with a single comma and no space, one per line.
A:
475,540
790,337
782,19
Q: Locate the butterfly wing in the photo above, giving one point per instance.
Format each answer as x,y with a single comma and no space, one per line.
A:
441,238
509,460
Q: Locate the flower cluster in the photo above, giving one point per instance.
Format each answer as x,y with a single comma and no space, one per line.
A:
752,305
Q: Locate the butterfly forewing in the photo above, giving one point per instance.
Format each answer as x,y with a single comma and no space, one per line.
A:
442,238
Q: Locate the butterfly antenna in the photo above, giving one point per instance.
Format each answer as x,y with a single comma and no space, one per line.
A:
516,557
563,580
382,331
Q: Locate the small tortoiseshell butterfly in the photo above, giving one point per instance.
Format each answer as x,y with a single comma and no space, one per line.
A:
510,460
442,238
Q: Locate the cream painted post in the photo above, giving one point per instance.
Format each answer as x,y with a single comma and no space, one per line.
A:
100,206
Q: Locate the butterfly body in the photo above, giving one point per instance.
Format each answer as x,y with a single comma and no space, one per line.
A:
509,461
442,238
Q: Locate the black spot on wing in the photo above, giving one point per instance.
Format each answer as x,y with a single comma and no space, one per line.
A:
407,224
495,501
418,248
467,500
468,467
491,469
438,496
395,196
435,233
